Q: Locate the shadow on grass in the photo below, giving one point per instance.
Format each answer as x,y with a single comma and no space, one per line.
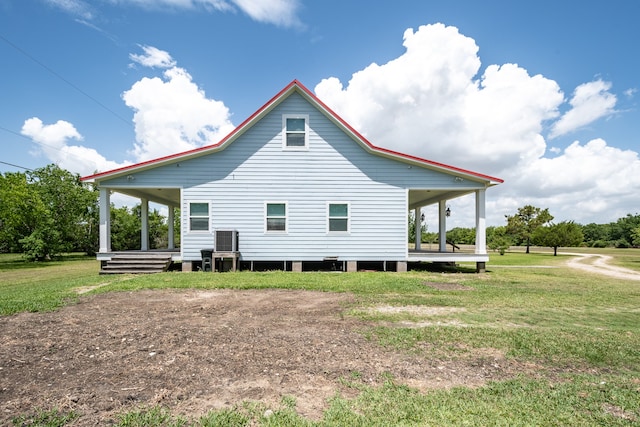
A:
9,262
440,267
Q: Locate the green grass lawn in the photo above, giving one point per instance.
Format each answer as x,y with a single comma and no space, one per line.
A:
582,330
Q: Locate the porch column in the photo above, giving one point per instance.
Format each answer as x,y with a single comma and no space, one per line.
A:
442,223
170,219
418,227
105,220
144,232
481,225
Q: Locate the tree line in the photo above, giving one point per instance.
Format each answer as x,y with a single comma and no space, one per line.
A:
48,212
531,225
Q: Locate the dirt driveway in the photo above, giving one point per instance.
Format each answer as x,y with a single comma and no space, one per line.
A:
194,351
599,264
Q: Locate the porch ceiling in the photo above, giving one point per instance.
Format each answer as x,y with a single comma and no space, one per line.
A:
425,197
171,196
163,196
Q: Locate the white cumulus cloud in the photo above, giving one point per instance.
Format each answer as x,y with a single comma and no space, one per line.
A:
590,102
427,102
78,8
282,13
585,181
153,57
432,101
172,114
53,142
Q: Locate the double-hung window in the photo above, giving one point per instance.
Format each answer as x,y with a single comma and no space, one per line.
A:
198,216
338,217
295,132
276,216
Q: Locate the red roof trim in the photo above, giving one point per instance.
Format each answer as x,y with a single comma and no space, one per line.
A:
391,152
293,84
195,150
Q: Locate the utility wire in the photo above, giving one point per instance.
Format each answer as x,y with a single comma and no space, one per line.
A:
25,53
16,166
15,133
42,143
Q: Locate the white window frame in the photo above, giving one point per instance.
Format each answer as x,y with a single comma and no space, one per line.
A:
348,217
304,147
208,216
266,216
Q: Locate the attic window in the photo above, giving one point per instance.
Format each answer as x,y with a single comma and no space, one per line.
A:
295,131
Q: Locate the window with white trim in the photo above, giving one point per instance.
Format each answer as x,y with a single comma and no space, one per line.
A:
199,216
295,132
276,216
338,217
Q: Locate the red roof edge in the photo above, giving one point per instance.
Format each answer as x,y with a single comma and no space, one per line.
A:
295,83
195,150
392,152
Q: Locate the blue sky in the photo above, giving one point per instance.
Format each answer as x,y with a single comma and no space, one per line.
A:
542,94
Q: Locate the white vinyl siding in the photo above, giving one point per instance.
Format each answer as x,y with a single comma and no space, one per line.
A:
295,132
238,181
337,217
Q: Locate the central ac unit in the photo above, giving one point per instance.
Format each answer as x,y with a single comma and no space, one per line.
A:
226,240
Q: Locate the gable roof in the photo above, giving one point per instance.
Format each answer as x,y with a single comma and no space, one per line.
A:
297,87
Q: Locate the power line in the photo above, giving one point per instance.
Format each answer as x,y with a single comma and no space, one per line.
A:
16,166
25,53
15,133
66,153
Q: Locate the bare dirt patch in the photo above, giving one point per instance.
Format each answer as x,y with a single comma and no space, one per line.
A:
194,351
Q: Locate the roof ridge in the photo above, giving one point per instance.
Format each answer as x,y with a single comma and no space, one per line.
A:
271,102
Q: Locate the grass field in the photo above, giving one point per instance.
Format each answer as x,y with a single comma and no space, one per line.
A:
581,330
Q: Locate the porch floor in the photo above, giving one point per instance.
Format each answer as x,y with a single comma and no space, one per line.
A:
464,254
174,253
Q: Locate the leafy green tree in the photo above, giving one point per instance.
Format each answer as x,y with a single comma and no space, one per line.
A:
20,209
412,228
126,228
596,234
523,224
622,230
462,236
158,228
498,239
635,234
46,212
566,233
176,227
67,210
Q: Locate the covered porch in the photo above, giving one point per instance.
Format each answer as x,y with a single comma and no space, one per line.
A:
169,197
421,198
418,199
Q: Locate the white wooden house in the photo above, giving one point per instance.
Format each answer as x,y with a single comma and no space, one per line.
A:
296,184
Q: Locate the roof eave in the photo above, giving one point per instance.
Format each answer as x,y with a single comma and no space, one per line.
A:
220,145
406,158
295,85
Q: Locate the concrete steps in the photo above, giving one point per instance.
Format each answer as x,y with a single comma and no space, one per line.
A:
136,263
